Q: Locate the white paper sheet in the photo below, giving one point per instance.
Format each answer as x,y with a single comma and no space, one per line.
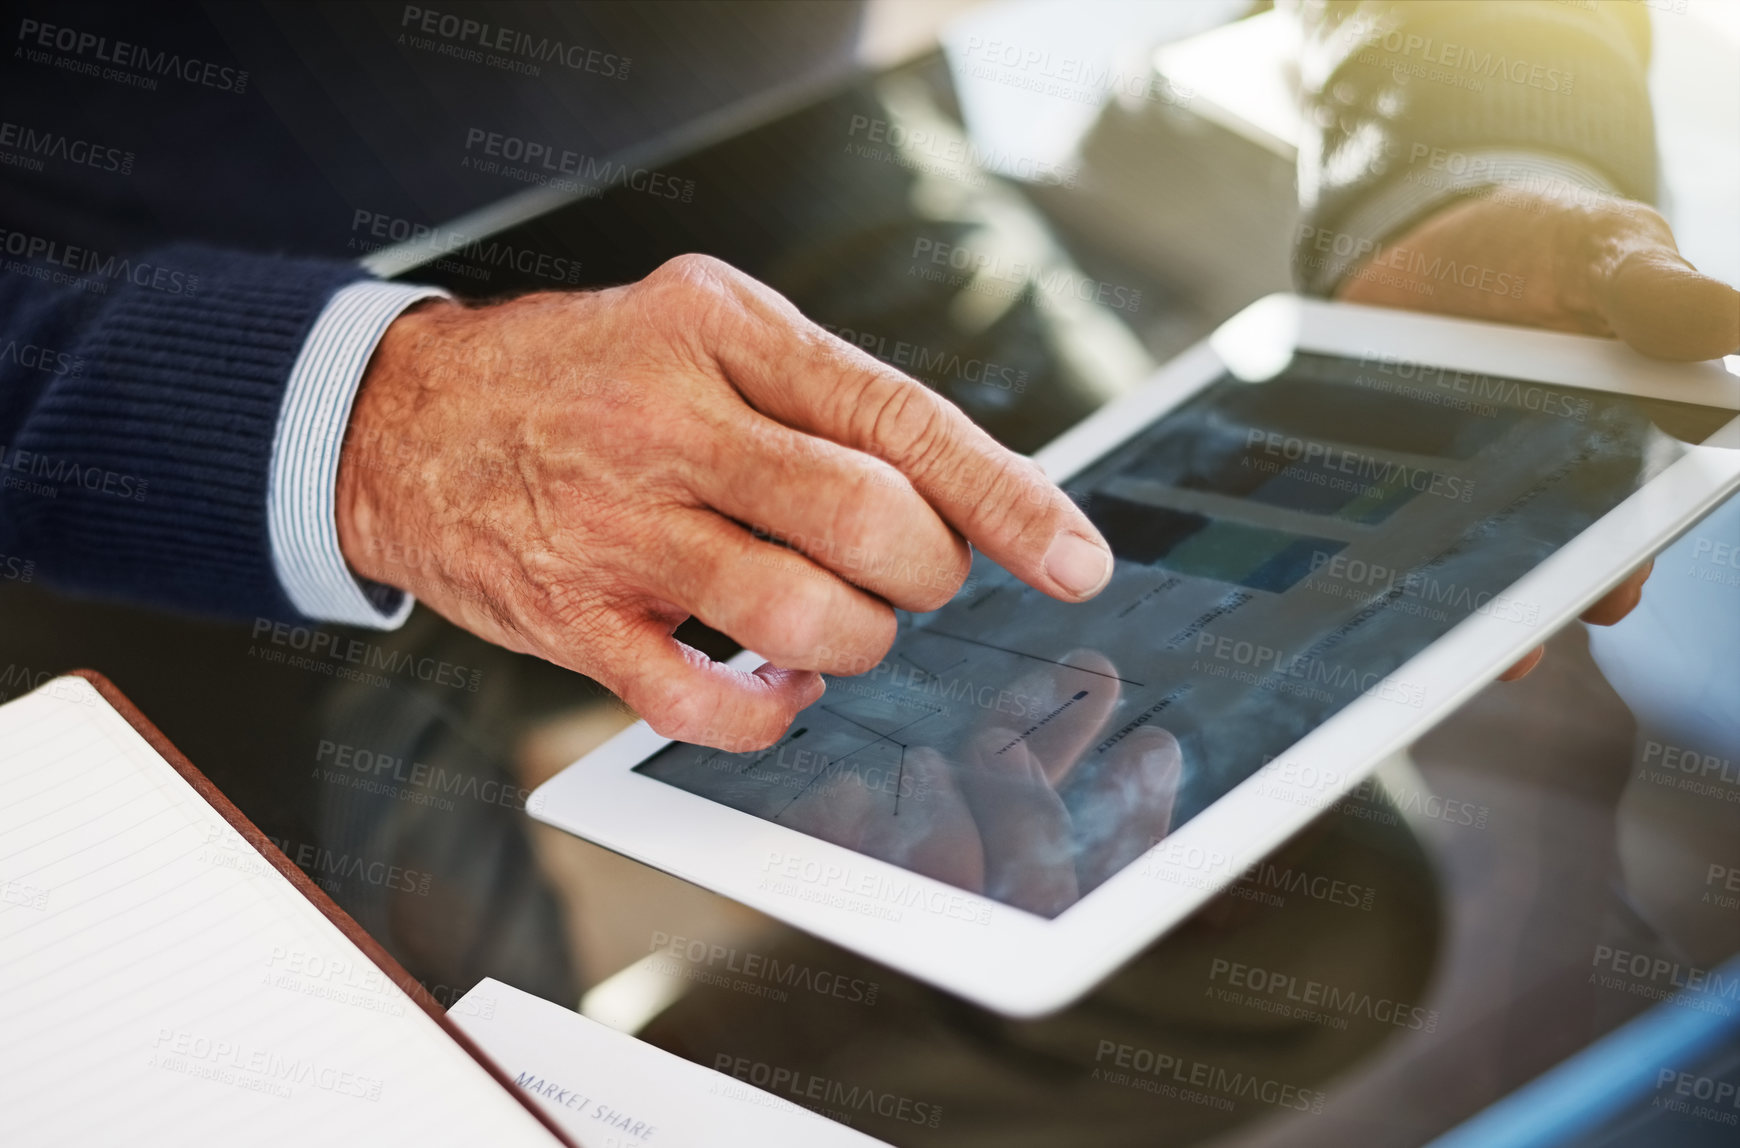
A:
605,1087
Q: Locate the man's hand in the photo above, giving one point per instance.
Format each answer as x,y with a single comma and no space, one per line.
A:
1585,263
574,475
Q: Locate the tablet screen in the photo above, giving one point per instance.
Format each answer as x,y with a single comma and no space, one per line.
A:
1282,548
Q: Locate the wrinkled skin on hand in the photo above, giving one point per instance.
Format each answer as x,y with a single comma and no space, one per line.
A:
574,475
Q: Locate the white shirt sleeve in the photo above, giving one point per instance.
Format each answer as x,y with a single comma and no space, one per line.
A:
301,498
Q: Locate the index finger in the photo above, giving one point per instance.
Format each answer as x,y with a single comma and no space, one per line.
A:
794,371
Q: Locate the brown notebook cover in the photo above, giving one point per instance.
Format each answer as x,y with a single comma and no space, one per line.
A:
306,886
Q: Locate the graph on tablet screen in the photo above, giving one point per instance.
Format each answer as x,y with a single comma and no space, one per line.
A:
1282,548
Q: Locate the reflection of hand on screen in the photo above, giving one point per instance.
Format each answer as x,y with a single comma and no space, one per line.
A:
1029,817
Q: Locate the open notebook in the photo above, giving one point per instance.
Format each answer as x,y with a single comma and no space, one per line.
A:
168,977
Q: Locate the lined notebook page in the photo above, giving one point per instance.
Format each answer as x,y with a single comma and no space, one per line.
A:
160,983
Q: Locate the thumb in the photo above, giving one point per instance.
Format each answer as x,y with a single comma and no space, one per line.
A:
1655,301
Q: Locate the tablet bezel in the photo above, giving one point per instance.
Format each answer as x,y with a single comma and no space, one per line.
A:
965,943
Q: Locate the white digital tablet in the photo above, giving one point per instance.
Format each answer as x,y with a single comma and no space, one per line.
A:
1332,524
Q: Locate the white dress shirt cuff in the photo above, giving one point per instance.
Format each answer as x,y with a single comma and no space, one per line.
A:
301,500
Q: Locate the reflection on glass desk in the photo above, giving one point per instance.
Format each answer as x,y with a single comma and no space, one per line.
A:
1427,947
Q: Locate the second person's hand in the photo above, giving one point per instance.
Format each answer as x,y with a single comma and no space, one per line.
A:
1573,261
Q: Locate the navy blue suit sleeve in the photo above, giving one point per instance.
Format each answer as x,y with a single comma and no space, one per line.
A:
139,401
